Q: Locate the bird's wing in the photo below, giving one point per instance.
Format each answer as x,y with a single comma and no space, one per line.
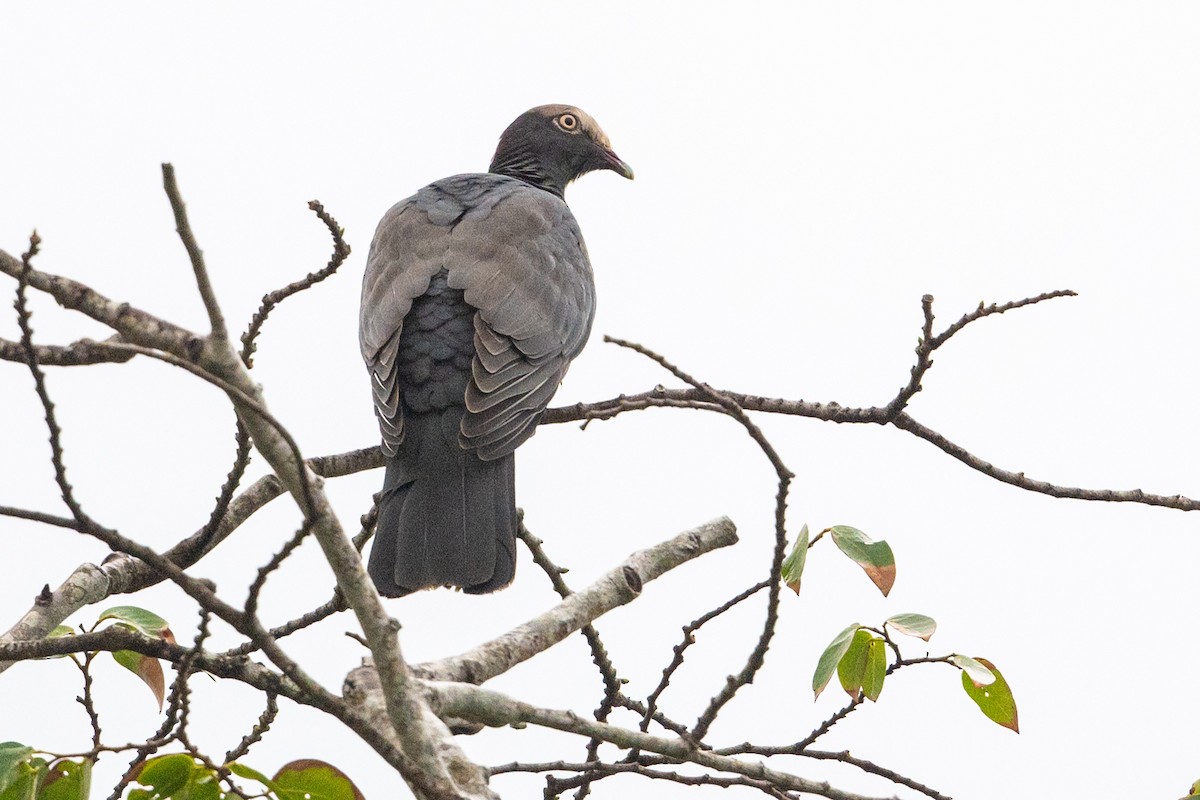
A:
517,254
523,264
408,250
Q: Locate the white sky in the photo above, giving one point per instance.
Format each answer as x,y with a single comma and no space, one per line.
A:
805,173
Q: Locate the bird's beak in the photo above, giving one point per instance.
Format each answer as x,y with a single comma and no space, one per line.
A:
613,162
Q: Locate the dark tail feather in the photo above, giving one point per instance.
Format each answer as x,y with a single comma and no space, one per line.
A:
446,518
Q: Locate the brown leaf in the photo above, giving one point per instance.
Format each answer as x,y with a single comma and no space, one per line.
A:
882,577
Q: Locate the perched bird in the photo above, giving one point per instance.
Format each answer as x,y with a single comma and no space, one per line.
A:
478,293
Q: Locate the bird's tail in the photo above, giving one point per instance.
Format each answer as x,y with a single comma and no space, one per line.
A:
446,518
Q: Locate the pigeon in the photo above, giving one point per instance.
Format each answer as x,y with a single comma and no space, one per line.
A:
477,295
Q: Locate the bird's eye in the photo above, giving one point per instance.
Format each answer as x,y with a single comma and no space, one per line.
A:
568,122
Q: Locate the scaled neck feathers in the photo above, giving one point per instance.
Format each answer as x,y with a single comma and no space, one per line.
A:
529,167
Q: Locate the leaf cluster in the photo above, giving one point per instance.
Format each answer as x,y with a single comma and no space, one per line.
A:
858,654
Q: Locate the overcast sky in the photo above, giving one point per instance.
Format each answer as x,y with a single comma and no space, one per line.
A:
805,173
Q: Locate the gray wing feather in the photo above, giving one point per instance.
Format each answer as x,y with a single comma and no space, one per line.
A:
404,257
516,422
481,400
488,379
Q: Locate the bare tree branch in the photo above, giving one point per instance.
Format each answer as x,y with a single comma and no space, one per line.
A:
928,342
256,733
883,772
39,380
1019,479
467,701
236,668
216,319
436,768
689,638
600,657
876,415
341,251
82,353
389,704
784,476
599,769
987,311
616,588
122,574
434,765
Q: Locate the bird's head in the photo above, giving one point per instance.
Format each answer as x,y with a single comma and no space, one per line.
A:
550,146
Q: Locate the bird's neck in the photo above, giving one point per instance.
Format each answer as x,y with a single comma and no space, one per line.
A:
526,166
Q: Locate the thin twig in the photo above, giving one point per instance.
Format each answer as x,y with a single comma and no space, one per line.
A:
798,747
39,516
39,380
925,348
600,657
596,770
85,700
1019,479
276,560
928,343
995,308
233,479
874,415
341,251
689,638
868,766
256,733
242,437
180,694
638,707
757,656
323,611
203,284
492,708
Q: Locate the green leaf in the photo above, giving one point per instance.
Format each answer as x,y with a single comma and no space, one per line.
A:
166,775
876,669
1195,788
793,565
141,620
202,785
310,779
24,785
994,699
917,625
67,780
980,674
242,771
875,558
853,665
828,661
28,775
146,668
12,756
149,624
